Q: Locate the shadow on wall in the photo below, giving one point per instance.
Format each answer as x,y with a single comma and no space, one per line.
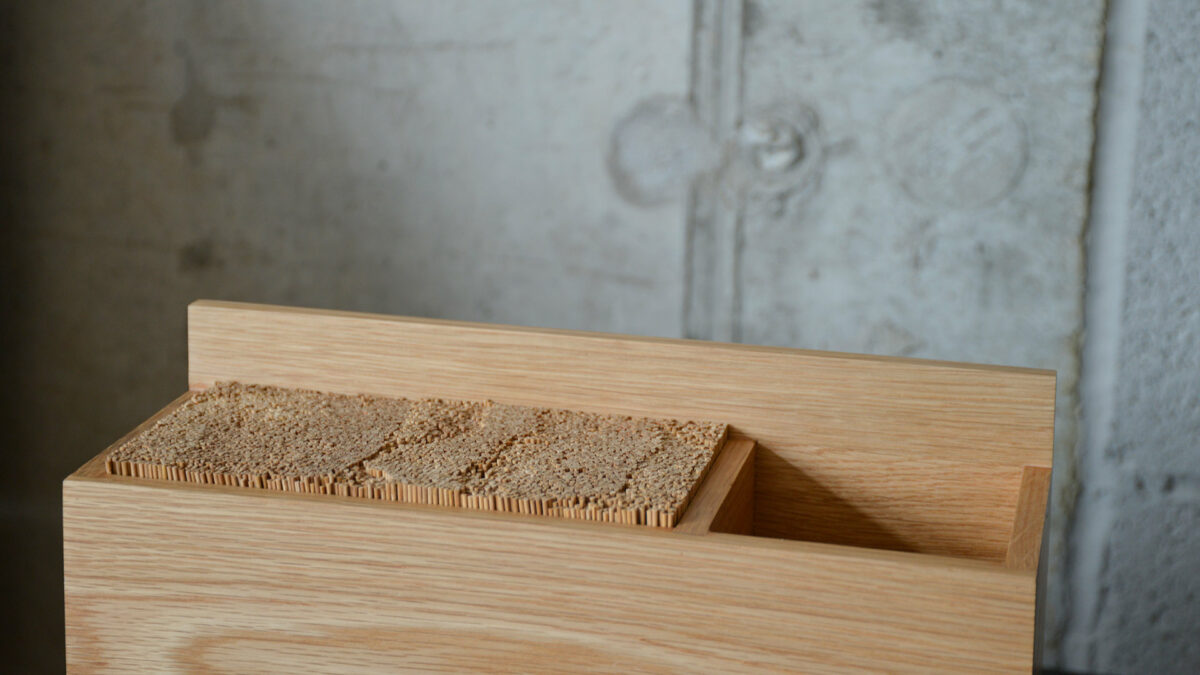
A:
31,565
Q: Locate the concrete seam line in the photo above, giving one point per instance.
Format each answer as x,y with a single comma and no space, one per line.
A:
1112,188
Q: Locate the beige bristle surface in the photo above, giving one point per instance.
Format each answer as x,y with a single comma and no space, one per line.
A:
474,455
248,430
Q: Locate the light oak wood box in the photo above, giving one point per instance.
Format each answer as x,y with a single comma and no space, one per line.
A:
891,509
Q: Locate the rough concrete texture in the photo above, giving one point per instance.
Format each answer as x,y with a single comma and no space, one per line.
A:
1145,617
1149,614
1159,386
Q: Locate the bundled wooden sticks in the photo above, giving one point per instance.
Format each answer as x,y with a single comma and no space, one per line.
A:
474,455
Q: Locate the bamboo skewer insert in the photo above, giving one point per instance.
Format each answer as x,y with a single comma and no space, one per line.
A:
475,455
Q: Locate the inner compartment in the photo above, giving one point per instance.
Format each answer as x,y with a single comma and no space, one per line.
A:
753,491
749,490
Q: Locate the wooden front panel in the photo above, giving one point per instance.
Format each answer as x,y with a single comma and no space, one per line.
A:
172,578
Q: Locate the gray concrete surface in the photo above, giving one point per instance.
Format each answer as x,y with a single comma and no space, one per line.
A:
1136,570
893,177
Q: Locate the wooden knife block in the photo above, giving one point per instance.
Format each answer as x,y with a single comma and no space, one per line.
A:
867,513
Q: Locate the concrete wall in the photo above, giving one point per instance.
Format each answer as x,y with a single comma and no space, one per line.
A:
1135,581
887,177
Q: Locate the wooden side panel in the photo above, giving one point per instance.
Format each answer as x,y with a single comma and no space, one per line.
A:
926,428
724,502
173,578
1025,542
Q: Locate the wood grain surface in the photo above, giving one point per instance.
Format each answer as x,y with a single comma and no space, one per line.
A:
724,501
1025,541
882,452
169,577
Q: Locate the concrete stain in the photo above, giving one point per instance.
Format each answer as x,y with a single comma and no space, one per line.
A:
903,17
195,112
922,244
955,144
199,255
752,18
657,149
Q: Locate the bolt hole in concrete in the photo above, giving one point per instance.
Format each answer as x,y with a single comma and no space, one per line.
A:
660,147
779,149
773,144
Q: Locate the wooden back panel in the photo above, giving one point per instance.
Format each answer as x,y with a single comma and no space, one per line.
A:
881,452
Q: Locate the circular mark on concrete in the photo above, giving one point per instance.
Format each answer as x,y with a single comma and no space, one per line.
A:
955,144
657,149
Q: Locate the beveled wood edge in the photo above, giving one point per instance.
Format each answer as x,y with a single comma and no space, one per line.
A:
712,498
1025,539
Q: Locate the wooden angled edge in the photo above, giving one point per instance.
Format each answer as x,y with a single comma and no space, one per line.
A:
1025,542
724,502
